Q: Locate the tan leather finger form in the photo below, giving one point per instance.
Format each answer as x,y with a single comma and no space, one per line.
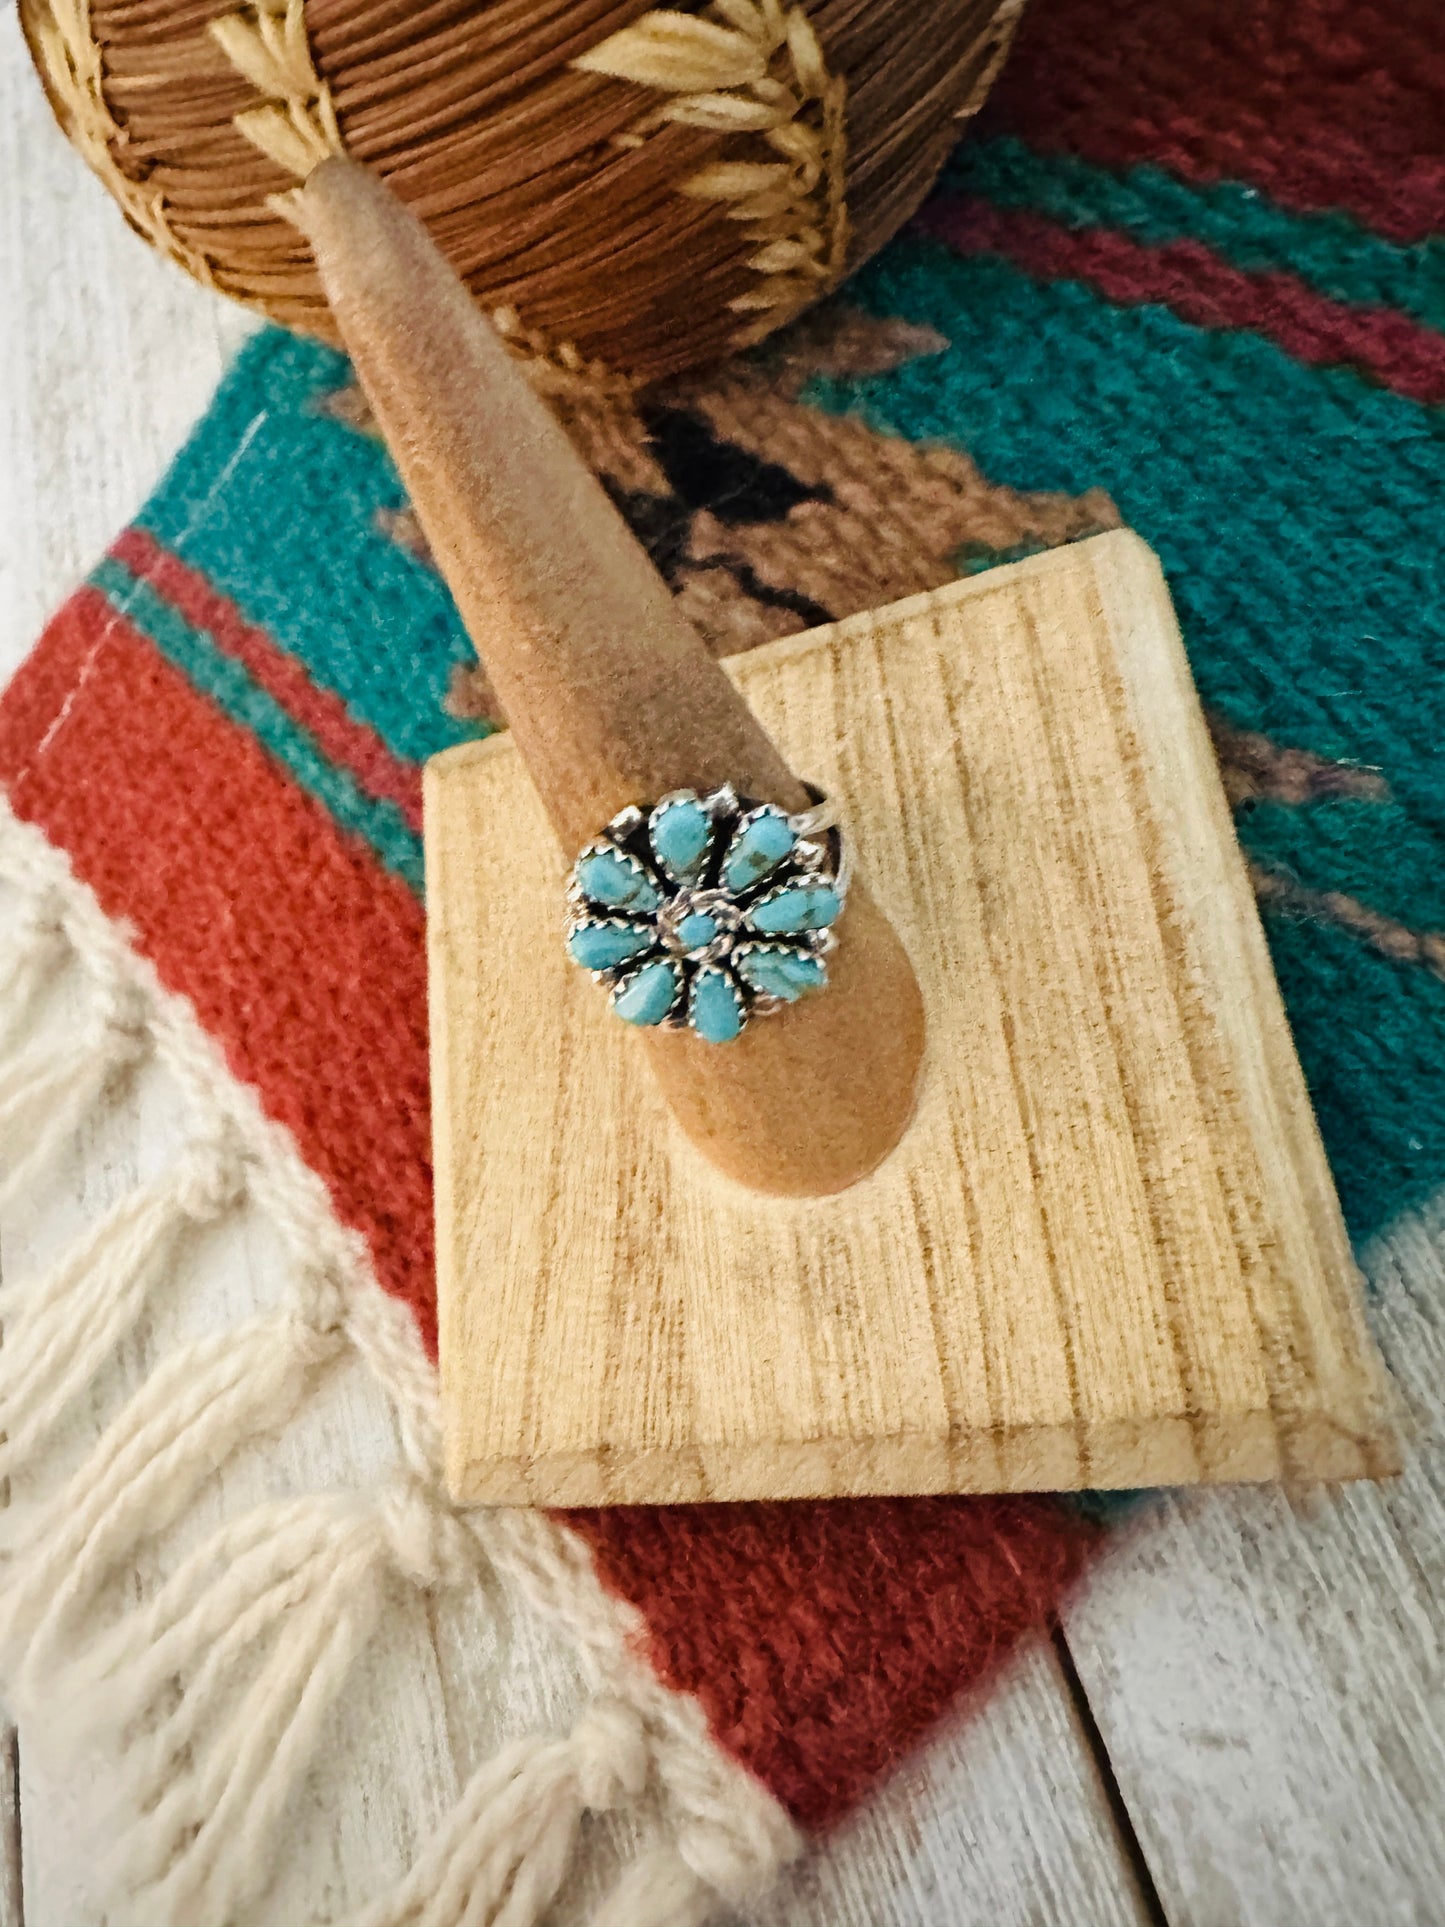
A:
611,697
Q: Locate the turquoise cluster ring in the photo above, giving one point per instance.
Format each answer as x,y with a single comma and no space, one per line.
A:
705,911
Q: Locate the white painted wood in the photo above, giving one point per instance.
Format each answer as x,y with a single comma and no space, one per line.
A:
1267,1674
108,357
999,1819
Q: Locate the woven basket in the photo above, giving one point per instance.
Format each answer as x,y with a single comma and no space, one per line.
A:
644,189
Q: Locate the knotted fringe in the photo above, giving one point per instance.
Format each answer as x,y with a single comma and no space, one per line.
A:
195,1409
504,1853
32,948
263,1623
211,1696
49,1091
61,1329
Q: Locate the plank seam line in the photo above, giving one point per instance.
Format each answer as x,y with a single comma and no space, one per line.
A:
1129,1842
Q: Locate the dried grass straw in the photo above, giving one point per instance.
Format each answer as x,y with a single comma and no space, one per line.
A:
644,188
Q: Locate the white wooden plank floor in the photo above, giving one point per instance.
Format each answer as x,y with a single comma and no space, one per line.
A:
1267,1674
1245,1725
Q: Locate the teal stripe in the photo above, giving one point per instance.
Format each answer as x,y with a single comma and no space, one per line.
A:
232,687
1296,509
1331,252
1371,850
1297,513
276,505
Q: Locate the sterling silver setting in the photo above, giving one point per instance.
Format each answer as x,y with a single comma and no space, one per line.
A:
705,910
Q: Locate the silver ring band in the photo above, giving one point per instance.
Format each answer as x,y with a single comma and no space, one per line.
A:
824,815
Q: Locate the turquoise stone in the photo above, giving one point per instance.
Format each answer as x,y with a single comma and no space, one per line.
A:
681,838
810,905
696,930
757,849
717,1008
598,946
616,880
777,971
648,994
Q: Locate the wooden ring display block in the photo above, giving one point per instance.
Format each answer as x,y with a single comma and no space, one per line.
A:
1107,1251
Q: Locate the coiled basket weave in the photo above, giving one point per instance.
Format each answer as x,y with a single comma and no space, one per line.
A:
638,188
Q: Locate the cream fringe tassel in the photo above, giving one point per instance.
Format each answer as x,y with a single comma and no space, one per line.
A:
211,1695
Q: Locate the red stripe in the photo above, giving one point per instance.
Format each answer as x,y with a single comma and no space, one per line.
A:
1321,103
300,954
824,1640
1199,286
354,745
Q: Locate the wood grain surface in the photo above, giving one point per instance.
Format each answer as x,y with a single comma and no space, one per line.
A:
113,356
1267,1676
1107,1251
